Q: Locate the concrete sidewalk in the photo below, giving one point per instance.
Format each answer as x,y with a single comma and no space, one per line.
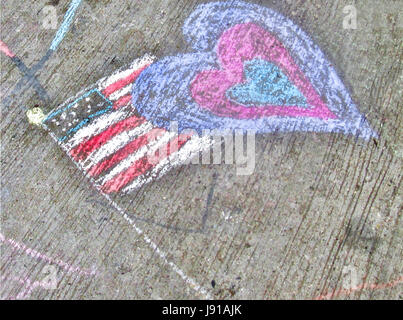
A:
320,217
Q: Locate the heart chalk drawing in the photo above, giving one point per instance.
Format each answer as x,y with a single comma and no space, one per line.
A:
245,42
252,69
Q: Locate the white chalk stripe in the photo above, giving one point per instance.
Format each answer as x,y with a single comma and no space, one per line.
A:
99,125
163,256
115,144
123,73
190,149
126,163
120,93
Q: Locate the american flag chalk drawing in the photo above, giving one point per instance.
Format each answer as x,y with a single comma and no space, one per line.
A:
251,69
104,135
101,131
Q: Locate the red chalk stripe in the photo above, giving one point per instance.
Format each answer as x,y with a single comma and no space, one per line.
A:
124,152
84,149
142,165
123,82
123,101
6,50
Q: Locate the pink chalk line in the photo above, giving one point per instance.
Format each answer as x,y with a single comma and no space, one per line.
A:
6,50
38,255
29,287
342,292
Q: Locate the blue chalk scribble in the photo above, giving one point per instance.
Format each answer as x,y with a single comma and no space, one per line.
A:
265,84
68,19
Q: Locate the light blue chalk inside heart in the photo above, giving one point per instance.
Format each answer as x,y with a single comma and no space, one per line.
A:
265,85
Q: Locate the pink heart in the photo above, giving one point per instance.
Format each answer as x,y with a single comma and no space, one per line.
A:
245,42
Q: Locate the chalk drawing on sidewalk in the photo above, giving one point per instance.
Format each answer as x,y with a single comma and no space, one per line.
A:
364,286
29,79
49,282
252,68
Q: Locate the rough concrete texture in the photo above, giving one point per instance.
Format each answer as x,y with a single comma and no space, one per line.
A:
322,212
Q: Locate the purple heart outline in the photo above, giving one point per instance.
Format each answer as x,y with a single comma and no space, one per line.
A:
163,92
